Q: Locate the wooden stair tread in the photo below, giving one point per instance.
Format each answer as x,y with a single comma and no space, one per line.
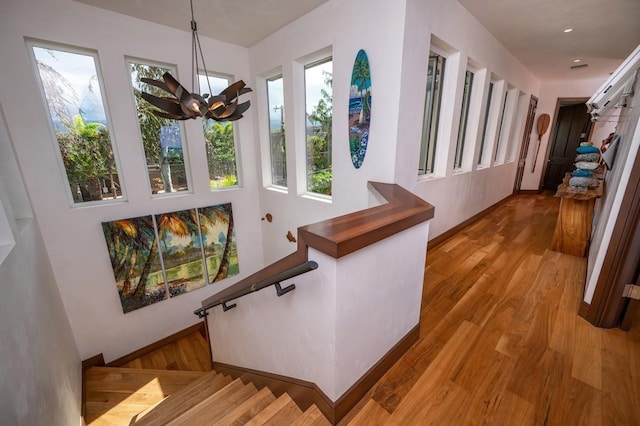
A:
248,409
312,417
184,399
217,405
130,380
273,409
115,395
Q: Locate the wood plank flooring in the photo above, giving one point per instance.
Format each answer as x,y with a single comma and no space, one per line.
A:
189,353
501,342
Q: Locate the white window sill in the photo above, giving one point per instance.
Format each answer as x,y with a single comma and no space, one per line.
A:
278,189
317,197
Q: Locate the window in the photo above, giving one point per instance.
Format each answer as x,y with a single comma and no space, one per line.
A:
435,75
277,146
464,116
161,138
318,101
219,139
500,136
73,93
485,125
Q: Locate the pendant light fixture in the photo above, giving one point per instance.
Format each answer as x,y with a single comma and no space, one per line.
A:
185,105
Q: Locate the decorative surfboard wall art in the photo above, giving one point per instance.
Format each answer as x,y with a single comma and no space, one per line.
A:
161,256
359,108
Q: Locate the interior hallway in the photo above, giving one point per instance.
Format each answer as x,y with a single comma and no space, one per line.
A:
500,339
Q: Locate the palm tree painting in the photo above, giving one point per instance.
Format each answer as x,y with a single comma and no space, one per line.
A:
359,108
218,239
181,250
133,250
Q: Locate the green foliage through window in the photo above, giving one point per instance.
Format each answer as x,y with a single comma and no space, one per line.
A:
319,99
161,137
73,95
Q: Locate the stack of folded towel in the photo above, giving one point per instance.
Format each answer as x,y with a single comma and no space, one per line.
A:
587,160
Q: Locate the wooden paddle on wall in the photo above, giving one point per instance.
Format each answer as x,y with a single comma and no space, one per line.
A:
543,125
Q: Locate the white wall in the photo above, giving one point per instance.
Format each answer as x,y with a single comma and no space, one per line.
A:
337,323
615,184
345,27
40,369
455,195
73,236
550,92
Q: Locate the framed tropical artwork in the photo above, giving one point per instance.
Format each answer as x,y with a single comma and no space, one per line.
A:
220,251
161,256
133,251
181,250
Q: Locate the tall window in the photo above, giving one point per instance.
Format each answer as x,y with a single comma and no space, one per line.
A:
73,93
219,139
464,116
161,137
435,75
485,123
500,137
277,146
318,100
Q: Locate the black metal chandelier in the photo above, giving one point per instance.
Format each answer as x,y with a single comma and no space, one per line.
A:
184,104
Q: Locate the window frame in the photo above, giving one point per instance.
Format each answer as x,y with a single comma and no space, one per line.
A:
464,123
236,142
271,174
93,53
500,135
426,162
483,139
173,69
316,61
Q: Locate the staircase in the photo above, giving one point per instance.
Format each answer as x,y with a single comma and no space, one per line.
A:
129,395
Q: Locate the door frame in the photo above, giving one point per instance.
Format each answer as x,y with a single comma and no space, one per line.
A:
526,140
560,102
607,307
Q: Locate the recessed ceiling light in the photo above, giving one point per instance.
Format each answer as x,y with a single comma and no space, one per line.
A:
568,30
576,60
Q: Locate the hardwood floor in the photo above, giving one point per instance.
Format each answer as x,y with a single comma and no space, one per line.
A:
189,353
501,342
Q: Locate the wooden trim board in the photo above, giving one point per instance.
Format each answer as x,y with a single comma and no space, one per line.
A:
306,393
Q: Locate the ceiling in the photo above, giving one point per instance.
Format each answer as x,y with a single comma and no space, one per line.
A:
604,31
241,22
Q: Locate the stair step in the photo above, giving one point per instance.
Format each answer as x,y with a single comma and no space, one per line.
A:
282,411
116,395
130,380
248,409
183,400
189,353
217,405
312,417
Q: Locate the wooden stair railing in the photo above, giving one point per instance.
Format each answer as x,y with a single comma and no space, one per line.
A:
335,237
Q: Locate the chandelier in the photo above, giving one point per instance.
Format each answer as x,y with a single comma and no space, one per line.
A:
184,104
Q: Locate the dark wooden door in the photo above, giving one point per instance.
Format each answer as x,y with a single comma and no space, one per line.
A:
572,123
533,103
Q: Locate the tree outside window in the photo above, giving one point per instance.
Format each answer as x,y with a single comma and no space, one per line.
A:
319,98
74,99
220,140
161,137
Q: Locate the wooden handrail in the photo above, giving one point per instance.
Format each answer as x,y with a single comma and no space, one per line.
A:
338,237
